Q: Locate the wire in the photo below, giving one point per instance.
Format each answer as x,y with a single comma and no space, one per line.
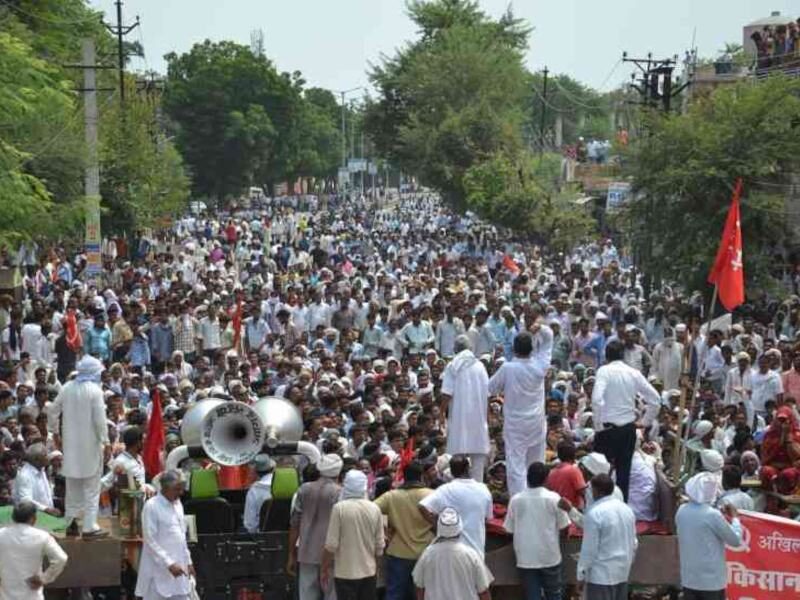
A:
546,103
610,74
573,99
141,46
96,17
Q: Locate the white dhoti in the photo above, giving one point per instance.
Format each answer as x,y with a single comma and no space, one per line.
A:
83,501
525,441
152,594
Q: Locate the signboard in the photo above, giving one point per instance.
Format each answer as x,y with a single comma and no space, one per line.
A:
356,165
343,177
94,261
372,169
765,566
618,194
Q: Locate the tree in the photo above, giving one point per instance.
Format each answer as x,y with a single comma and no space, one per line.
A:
452,98
142,180
523,195
684,169
36,113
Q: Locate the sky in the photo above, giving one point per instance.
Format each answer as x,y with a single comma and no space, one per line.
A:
332,42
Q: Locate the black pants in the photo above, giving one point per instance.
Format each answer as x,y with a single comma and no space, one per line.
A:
356,589
618,444
703,594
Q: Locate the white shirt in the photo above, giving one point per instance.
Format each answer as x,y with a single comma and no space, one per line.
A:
22,551
210,333
164,536
609,543
642,492
766,387
451,569
536,510
32,484
738,386
132,466
259,492
466,381
472,501
614,395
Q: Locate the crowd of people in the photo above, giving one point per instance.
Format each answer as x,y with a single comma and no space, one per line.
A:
778,45
450,374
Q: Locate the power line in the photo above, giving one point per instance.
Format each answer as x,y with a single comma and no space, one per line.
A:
610,74
574,100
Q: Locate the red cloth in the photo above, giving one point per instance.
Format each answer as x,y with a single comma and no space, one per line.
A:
727,273
567,481
495,527
509,264
772,451
74,340
236,323
154,442
406,456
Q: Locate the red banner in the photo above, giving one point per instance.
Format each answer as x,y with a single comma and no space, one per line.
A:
766,566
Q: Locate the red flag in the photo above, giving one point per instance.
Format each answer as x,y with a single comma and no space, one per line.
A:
154,442
727,273
509,264
74,340
406,456
236,323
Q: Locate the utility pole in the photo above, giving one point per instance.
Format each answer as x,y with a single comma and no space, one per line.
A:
655,85
544,112
92,177
93,238
121,31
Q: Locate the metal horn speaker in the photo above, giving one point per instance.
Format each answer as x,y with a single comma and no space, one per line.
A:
283,421
232,434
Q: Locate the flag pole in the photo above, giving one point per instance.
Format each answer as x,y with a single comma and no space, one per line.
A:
680,451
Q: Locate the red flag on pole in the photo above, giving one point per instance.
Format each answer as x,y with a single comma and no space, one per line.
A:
74,341
727,273
154,442
236,323
509,264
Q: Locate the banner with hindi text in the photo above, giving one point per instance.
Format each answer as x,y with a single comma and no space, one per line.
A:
767,564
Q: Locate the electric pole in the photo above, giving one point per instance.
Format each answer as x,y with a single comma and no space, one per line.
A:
121,31
544,112
655,84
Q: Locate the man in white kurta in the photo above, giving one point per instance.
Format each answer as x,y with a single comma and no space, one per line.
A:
465,391
84,439
668,361
23,550
165,570
521,381
31,482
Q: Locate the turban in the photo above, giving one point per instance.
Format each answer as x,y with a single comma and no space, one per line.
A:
354,485
89,369
702,488
712,460
330,465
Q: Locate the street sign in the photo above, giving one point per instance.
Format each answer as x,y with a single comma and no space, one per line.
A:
356,165
618,194
343,177
372,169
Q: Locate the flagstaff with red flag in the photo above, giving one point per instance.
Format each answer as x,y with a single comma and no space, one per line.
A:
727,273
154,442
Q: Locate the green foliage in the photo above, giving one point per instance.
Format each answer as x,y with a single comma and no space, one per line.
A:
240,122
453,98
523,195
36,111
142,180
684,170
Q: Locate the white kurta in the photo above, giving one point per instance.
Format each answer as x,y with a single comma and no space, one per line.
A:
83,431
668,364
22,551
466,381
31,484
521,382
164,534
